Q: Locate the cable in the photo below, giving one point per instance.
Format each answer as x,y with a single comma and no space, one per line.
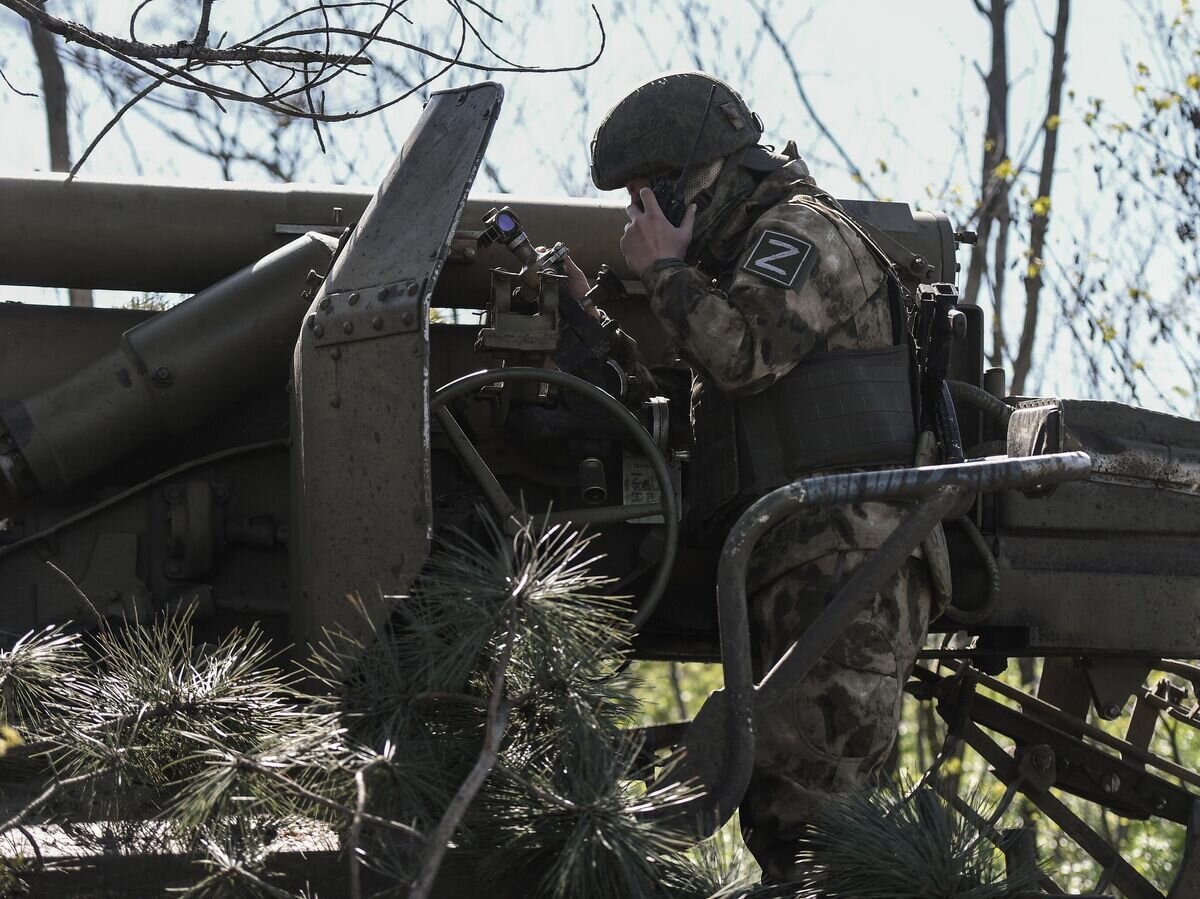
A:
138,488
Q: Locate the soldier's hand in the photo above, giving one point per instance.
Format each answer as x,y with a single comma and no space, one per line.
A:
577,282
649,236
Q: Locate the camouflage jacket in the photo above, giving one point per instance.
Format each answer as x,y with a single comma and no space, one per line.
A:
741,331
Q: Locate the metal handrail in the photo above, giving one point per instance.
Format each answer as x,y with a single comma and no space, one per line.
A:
936,489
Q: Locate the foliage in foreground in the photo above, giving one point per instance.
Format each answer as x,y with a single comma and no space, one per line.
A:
488,709
896,844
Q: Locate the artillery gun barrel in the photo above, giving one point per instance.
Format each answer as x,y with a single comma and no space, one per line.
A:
170,373
113,235
137,235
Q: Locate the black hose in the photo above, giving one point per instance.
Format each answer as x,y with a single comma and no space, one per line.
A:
974,616
962,392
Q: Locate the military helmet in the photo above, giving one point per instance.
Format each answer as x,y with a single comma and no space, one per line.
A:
654,129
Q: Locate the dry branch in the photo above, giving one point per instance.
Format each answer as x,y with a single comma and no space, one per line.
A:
288,67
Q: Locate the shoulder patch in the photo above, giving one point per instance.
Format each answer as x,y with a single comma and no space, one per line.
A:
781,259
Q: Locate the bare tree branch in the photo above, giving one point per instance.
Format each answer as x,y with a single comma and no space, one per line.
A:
11,87
497,721
1041,215
286,67
54,95
112,122
798,82
191,51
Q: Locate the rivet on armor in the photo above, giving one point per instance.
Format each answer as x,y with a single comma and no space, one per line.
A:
319,330
376,322
347,327
413,288
353,298
408,318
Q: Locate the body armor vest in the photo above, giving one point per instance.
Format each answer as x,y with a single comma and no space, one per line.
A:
836,410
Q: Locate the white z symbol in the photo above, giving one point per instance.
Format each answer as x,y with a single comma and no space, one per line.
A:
788,250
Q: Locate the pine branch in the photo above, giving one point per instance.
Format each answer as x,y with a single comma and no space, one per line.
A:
497,720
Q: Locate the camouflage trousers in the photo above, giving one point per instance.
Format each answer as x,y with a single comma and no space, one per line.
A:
837,727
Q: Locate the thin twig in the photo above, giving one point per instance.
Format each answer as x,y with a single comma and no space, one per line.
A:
185,50
333,804
112,122
498,708
46,795
360,808
15,90
200,41
798,82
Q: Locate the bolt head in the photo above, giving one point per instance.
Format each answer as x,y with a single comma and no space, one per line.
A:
382,294
312,322
1159,804
377,322
348,327
1042,758
1110,783
353,298
413,289
1112,711
319,331
324,304
408,318
162,373
335,353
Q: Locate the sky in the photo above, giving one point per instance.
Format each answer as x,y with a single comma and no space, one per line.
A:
894,81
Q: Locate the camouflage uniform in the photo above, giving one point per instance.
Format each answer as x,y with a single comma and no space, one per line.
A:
740,332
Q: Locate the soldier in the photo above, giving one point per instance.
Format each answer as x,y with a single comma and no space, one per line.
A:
797,337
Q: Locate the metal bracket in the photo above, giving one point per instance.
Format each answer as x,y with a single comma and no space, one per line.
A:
464,246
332,230
350,315
1112,682
1036,429
506,330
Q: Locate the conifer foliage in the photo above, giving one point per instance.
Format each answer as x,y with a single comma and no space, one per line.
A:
482,725
483,721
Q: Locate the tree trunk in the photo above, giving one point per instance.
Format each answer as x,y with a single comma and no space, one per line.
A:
993,190
1039,223
54,96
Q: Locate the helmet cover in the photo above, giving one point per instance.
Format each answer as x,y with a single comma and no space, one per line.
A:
654,128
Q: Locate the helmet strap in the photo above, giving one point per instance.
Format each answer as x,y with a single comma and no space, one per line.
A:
673,204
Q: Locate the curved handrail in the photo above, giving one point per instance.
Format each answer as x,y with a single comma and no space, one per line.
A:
936,489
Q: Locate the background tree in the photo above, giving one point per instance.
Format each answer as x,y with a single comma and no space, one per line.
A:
1141,290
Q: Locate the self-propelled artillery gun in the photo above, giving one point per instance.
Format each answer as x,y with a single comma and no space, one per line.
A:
359,371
